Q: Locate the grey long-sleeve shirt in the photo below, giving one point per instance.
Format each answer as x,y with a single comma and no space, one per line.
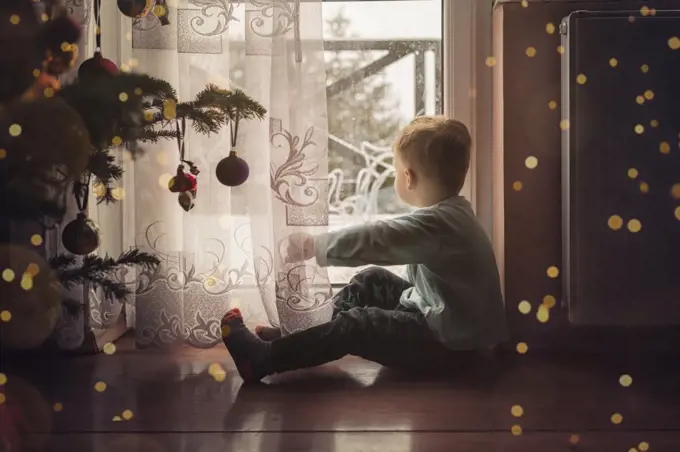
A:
449,260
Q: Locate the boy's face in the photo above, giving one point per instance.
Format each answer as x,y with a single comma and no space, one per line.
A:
404,182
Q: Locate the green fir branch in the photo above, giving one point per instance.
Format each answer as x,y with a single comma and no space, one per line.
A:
99,271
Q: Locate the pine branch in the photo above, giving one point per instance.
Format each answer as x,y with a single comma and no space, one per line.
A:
244,106
100,271
151,135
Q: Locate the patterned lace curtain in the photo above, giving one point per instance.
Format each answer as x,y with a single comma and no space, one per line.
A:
227,251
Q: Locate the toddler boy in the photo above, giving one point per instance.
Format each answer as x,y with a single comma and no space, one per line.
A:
450,307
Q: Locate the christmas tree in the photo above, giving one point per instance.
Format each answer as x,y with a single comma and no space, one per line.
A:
59,141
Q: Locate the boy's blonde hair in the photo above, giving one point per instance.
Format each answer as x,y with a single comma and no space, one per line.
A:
439,147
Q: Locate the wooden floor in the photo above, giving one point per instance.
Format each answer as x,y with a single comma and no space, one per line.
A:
194,401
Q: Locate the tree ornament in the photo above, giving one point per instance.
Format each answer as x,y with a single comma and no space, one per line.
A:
60,37
80,236
182,181
161,11
30,298
187,200
97,66
232,171
136,8
186,184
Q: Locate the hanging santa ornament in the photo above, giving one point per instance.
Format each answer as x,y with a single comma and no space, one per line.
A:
232,171
186,184
161,11
60,36
136,8
97,66
81,236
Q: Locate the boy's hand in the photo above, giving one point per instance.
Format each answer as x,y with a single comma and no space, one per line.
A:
300,247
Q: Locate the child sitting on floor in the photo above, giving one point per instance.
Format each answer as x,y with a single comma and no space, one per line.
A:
450,307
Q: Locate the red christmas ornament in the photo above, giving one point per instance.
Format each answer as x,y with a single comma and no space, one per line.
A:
183,182
97,66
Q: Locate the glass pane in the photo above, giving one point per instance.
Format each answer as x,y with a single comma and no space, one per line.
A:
383,65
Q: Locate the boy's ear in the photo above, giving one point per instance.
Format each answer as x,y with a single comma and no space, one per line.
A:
410,178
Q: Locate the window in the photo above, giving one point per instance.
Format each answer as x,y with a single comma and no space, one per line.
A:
384,67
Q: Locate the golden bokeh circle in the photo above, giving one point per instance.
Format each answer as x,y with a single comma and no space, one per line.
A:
3,379
664,147
3,153
14,19
654,123
581,79
524,307
517,411
649,94
5,316
560,50
516,430
553,271
531,52
639,129
517,186
8,275
123,97
552,105
164,180
633,173
644,68
522,348
644,10
613,62
615,222
491,61
625,380
574,439
109,348
616,418
640,99
100,386
15,130
127,415
36,240
117,141
677,213
675,191
550,28
674,43
565,124
643,446
525,3
58,407
549,301
531,162
644,187
634,225
543,314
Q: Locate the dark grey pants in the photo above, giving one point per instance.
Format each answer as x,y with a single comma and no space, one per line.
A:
369,322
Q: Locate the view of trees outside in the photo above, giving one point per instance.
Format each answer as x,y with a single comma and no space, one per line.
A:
367,111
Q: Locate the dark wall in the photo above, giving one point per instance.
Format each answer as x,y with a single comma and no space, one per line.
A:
533,215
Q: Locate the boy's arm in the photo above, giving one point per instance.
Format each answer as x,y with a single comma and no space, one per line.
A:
409,239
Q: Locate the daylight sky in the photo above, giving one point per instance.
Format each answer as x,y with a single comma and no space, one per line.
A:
394,20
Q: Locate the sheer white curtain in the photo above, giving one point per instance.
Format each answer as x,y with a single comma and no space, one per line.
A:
228,251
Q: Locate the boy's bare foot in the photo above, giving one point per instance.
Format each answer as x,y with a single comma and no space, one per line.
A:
250,353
